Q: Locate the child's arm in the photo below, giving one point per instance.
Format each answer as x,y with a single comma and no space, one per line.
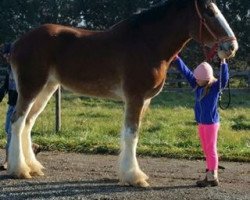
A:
4,88
181,66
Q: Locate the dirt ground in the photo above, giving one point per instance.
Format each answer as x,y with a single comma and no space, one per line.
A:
81,176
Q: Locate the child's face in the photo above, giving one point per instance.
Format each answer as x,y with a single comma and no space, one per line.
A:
201,83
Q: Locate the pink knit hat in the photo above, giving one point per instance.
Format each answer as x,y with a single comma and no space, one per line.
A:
204,71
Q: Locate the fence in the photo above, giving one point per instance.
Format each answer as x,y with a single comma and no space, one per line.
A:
175,80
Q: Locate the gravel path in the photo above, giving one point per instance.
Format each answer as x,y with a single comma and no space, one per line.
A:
81,176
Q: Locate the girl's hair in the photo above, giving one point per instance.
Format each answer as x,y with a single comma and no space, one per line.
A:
206,88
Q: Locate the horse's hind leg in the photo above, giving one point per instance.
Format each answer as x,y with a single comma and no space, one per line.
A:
38,106
129,170
17,166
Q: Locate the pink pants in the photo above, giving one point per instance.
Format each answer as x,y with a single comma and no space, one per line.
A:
208,136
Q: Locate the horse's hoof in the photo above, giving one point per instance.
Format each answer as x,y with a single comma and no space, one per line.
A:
24,175
20,173
121,183
36,168
135,178
37,173
142,184
140,181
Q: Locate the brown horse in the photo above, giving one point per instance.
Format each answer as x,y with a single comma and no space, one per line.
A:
128,62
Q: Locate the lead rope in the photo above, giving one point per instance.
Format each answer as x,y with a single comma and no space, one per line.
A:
221,92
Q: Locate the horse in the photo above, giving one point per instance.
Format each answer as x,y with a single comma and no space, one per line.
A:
126,62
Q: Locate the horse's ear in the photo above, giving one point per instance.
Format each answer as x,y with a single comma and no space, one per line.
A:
212,1
205,3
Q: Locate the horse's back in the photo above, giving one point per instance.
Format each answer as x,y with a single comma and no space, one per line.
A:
46,38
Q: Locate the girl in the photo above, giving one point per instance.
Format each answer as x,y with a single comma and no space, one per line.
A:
207,89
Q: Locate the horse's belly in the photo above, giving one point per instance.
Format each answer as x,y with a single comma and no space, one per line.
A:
95,89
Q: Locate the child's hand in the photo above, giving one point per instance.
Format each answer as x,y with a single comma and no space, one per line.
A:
175,57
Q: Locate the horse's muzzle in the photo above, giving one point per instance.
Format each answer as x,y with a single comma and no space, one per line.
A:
228,49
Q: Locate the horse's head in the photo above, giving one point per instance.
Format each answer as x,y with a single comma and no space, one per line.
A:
209,27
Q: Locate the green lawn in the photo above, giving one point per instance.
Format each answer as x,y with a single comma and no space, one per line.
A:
168,129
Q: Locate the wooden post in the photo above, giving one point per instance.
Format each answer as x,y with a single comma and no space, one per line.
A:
58,109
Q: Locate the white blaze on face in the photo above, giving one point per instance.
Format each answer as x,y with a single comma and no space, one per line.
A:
228,48
222,20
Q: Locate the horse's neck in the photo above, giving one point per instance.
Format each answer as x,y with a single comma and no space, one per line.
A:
166,36
167,41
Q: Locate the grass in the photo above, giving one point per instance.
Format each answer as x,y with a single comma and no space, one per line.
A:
168,129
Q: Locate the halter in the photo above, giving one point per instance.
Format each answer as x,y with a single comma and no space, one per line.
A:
203,23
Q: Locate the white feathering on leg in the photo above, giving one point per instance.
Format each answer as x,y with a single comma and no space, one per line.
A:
16,161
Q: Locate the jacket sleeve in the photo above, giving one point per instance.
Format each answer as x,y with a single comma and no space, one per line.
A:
224,76
4,88
188,74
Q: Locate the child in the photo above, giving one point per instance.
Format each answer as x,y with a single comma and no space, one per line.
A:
9,87
207,89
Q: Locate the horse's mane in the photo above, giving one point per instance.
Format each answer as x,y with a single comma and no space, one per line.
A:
157,12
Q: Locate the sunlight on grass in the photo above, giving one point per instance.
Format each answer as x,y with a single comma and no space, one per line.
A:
168,128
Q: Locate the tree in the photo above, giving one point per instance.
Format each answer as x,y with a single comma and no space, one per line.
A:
20,16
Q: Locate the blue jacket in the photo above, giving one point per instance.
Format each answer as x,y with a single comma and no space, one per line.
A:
205,109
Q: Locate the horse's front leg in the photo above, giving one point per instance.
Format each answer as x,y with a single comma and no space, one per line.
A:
129,170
